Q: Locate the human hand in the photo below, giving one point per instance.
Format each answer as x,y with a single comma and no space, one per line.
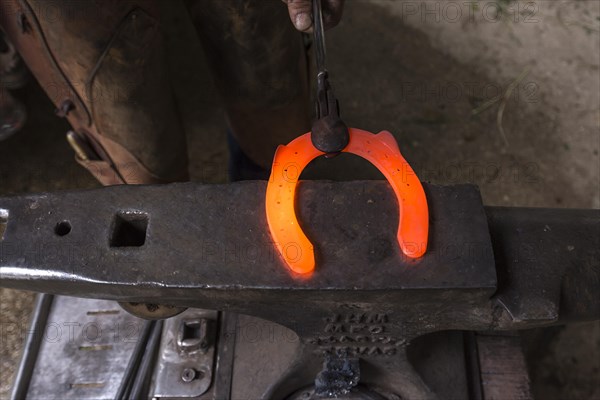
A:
301,13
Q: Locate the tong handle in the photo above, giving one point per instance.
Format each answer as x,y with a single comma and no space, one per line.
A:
329,133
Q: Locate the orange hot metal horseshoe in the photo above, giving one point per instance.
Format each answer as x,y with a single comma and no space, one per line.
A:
383,152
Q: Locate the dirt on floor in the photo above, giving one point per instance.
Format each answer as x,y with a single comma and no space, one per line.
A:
504,94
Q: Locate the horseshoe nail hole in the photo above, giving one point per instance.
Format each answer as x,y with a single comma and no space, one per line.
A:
129,229
62,228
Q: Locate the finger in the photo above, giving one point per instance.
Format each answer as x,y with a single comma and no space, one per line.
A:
332,12
300,13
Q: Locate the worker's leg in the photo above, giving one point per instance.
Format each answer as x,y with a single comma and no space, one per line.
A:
103,66
259,63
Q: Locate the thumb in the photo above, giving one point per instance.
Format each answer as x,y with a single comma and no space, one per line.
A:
301,14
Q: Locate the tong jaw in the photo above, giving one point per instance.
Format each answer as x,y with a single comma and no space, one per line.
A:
329,133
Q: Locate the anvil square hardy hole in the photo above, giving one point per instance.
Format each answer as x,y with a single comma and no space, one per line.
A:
3,222
129,229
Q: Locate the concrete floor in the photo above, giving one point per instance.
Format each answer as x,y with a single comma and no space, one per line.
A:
421,70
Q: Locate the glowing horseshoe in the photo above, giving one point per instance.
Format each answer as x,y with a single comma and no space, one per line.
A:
383,152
